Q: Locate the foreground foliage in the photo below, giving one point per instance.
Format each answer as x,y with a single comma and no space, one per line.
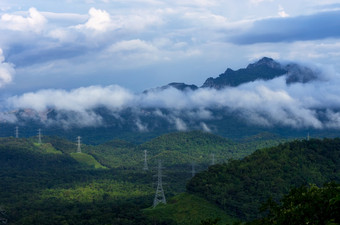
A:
304,205
240,186
184,209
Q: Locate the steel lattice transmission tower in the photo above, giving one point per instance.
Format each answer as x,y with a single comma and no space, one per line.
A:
159,196
213,159
39,136
16,132
78,146
145,161
193,171
3,216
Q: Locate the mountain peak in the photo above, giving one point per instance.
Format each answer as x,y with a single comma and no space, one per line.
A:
265,69
265,61
176,85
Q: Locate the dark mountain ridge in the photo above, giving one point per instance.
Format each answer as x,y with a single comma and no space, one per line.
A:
264,69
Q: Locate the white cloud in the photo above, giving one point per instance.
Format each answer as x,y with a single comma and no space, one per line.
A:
7,117
261,102
99,21
136,45
259,1
282,12
6,71
35,21
79,100
205,127
180,124
141,127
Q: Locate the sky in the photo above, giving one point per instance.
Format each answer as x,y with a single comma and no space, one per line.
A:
69,47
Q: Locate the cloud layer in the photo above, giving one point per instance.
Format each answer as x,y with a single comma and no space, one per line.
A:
314,104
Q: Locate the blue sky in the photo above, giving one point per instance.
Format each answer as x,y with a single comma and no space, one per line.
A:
141,44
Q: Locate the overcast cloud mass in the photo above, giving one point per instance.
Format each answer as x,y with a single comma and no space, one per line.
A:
81,54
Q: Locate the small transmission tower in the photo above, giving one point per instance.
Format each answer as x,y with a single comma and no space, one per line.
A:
16,132
159,196
3,216
78,148
193,171
145,160
212,159
39,136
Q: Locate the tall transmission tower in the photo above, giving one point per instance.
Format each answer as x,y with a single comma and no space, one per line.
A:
78,147
16,132
213,159
145,161
308,137
39,136
159,196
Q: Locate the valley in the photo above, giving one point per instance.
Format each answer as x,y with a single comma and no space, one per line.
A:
50,183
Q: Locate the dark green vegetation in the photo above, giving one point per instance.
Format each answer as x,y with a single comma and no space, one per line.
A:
180,148
42,186
304,205
240,186
51,184
186,209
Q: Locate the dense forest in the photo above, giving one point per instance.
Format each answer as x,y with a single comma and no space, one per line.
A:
304,205
240,186
49,183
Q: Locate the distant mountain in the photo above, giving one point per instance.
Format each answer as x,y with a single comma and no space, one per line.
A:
264,69
178,86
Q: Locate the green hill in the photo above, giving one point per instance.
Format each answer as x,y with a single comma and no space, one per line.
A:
240,186
22,154
88,160
187,209
47,148
200,145
176,148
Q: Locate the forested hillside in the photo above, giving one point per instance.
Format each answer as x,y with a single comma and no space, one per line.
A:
42,185
49,183
240,186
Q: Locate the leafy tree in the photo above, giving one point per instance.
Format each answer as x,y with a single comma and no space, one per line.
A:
304,205
240,186
210,221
